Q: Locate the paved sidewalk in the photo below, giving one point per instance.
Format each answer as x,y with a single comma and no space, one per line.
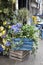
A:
34,60
6,61
30,60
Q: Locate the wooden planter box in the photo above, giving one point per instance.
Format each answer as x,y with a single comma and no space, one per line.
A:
20,52
18,55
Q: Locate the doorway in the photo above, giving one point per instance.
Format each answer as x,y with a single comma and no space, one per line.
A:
21,4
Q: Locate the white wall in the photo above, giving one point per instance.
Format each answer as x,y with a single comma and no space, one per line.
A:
41,7
16,4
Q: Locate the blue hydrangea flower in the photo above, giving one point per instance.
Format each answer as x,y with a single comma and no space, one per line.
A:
1,49
7,44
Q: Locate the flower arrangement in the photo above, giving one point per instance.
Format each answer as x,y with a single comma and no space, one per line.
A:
4,44
12,34
18,32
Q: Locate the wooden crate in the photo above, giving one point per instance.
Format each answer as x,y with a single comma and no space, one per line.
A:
18,55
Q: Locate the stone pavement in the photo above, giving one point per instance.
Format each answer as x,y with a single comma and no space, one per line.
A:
30,60
6,61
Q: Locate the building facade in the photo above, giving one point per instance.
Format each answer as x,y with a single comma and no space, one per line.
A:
41,7
32,5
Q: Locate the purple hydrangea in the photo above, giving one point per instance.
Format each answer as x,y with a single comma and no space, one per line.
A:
15,28
19,25
7,44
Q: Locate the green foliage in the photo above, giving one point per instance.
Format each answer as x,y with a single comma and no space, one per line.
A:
5,10
21,15
5,4
28,31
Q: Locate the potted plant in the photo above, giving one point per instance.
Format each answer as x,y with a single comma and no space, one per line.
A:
23,34
21,15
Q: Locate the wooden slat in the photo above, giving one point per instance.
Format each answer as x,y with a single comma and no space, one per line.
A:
19,52
18,56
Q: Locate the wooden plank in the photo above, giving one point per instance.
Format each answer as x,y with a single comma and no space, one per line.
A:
15,58
18,56
19,53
